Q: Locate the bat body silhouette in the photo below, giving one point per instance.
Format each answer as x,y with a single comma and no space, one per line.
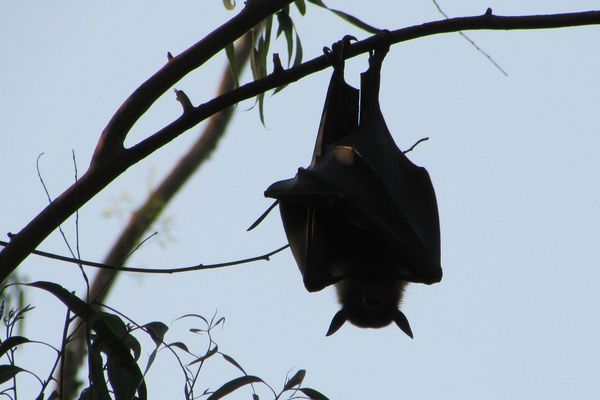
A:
361,216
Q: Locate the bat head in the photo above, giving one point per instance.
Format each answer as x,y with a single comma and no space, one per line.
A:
370,301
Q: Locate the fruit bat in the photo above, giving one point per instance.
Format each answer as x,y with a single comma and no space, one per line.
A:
362,216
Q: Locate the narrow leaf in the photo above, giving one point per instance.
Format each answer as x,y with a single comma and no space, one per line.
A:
193,315
11,342
74,303
287,27
355,21
150,360
301,6
295,380
233,68
312,393
230,360
298,57
233,385
7,372
348,18
180,345
209,354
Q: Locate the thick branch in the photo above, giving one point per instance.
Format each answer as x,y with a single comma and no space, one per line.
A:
113,136
283,77
109,161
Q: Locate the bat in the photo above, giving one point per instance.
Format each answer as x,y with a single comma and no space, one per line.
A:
362,216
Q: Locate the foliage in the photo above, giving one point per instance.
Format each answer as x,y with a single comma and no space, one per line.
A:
115,368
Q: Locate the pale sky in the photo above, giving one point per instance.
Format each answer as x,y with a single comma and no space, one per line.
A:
514,161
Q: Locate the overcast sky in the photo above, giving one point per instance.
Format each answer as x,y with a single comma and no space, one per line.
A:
514,161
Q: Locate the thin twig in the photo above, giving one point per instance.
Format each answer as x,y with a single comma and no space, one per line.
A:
411,148
85,278
140,244
64,236
197,267
472,42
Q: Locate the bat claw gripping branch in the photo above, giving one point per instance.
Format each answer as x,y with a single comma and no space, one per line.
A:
335,55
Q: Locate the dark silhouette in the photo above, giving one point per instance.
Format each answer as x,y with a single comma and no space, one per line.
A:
361,216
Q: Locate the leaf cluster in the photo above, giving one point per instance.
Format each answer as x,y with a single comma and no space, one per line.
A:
113,354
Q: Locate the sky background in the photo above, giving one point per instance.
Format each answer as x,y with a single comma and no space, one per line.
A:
514,161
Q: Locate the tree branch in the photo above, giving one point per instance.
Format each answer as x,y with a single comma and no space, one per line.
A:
110,159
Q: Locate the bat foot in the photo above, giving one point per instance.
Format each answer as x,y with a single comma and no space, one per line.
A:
335,55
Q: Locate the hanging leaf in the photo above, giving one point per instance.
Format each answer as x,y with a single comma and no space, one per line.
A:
97,388
347,17
298,57
151,359
230,360
301,6
287,27
233,67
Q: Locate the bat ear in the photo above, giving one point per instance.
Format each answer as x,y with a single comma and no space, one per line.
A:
337,322
402,322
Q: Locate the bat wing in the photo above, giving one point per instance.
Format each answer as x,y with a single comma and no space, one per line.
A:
408,185
304,204
361,205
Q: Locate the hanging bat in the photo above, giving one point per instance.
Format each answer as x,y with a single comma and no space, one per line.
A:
362,216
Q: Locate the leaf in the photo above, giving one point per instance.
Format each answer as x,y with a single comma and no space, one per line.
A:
209,354
104,322
233,385
193,315
122,378
11,342
97,389
125,376
75,304
287,27
132,344
261,107
301,6
233,362
298,57
233,67
295,380
312,393
267,35
157,331
150,360
348,18
180,345
7,372
355,21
